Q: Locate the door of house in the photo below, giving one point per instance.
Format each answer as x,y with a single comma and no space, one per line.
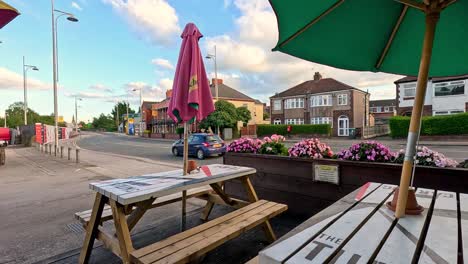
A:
343,126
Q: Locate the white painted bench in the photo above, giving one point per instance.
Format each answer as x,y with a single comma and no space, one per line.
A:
360,229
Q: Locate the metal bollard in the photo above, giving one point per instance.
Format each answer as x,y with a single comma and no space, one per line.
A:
77,155
61,151
69,150
50,150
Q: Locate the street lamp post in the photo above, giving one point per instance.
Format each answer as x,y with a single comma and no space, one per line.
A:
213,57
76,111
25,103
141,112
71,18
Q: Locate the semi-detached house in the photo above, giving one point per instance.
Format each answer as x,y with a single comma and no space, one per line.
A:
322,101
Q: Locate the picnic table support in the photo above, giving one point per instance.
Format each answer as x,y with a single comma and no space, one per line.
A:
92,228
206,212
138,213
253,198
122,230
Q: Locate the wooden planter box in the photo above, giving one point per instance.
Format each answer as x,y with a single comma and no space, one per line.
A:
290,180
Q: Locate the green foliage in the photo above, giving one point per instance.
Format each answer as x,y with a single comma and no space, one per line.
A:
225,115
273,148
180,130
266,115
456,124
265,130
122,110
15,116
243,114
105,122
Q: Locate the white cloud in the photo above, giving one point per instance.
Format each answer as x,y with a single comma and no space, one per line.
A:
101,87
154,20
247,52
149,92
88,95
163,63
227,3
76,6
13,80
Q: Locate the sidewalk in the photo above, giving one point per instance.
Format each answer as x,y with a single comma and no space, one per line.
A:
41,193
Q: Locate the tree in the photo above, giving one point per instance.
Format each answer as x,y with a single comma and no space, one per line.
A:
266,115
122,107
243,114
225,115
15,116
105,122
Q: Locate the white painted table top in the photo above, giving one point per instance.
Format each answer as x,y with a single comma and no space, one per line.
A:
359,228
140,188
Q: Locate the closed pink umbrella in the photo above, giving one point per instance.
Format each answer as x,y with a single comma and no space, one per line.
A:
191,98
7,13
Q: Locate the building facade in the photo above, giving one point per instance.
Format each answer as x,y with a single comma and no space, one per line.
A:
444,95
322,101
382,110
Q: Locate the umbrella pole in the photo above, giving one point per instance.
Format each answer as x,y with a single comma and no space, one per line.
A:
432,16
184,193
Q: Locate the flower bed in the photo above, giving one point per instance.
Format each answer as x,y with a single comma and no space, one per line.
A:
311,148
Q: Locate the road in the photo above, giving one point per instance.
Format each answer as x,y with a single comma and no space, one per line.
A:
160,150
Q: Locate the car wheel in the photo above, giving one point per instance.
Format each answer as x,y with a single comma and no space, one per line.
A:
200,154
175,152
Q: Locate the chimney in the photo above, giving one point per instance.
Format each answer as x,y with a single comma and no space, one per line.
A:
220,81
169,93
317,76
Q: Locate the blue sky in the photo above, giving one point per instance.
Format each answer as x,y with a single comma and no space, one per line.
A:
119,45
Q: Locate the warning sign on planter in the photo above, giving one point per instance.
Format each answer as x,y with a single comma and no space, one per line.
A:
326,173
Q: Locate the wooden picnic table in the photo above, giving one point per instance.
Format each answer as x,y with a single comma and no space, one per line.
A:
359,228
135,195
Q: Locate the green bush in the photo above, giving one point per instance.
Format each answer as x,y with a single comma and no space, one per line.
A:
432,125
180,130
267,130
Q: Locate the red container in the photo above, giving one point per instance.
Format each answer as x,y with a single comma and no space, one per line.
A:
4,135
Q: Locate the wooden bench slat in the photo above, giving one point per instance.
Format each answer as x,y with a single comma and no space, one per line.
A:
330,239
180,236
207,233
441,243
209,243
405,234
84,216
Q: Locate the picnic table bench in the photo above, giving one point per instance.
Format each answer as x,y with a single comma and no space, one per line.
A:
360,228
115,199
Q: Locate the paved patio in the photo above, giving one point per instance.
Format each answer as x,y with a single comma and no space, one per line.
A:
41,193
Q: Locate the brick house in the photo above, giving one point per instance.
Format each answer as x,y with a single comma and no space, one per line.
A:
444,95
382,110
322,101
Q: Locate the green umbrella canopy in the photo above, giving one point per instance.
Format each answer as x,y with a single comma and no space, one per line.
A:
353,35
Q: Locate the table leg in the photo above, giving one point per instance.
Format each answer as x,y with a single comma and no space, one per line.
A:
92,228
123,233
217,188
206,212
253,198
138,213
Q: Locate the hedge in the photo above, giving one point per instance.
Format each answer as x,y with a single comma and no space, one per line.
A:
267,130
456,124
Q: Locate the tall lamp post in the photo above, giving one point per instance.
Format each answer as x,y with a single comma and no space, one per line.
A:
141,112
71,18
213,57
25,104
76,111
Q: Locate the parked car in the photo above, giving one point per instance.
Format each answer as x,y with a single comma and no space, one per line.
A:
200,145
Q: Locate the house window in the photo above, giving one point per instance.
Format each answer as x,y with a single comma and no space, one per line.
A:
373,109
277,121
294,103
449,88
321,100
386,109
277,105
451,112
342,99
294,121
321,120
409,90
